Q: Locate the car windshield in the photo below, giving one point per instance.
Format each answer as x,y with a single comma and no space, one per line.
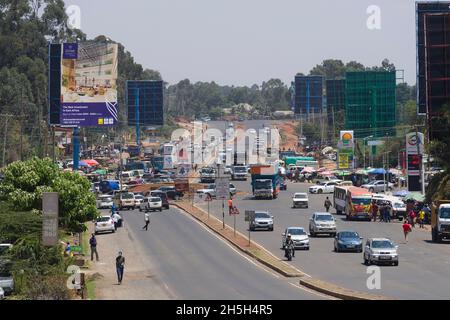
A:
106,199
324,217
155,199
296,231
300,196
363,201
103,219
382,244
261,215
319,183
127,196
207,170
444,213
240,169
263,184
348,235
139,197
399,205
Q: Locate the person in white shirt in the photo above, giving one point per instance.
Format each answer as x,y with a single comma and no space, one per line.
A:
147,221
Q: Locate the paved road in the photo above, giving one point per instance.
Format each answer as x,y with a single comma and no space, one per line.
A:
424,266
195,264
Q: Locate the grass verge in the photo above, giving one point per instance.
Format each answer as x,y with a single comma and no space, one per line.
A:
90,290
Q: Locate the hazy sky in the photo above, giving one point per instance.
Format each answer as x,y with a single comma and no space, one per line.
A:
243,42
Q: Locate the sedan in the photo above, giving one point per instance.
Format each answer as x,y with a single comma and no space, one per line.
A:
104,224
323,187
347,241
298,236
138,200
378,186
171,192
263,220
380,250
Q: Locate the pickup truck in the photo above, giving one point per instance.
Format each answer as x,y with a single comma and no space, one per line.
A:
440,220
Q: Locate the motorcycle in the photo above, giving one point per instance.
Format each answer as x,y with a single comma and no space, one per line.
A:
288,253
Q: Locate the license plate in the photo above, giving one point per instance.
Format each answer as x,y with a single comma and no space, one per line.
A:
385,258
155,204
104,224
350,246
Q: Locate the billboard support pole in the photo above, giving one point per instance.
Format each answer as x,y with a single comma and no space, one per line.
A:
138,128
76,148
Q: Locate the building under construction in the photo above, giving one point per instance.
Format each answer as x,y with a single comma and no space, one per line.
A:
370,103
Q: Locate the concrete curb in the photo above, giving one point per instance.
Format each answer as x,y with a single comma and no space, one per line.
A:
339,292
306,281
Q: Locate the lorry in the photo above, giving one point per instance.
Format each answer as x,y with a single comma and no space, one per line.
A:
265,181
440,220
238,172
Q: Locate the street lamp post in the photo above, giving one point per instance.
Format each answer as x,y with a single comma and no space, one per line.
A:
364,148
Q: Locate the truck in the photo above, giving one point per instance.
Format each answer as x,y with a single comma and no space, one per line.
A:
265,181
440,220
301,161
238,172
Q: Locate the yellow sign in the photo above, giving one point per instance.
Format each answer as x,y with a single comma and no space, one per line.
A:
343,161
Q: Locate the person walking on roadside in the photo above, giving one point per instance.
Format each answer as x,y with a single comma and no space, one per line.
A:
412,217
374,211
421,218
327,204
93,244
120,265
406,230
147,222
230,206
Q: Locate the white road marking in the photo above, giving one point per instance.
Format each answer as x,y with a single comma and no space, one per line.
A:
313,292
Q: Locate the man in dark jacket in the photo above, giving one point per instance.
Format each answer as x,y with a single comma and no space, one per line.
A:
93,244
120,265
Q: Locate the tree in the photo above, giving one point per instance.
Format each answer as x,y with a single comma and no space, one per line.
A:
25,182
274,93
354,66
330,69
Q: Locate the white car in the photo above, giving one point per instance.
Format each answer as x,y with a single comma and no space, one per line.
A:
151,204
322,223
323,187
300,199
298,236
104,224
104,202
138,199
378,186
2,294
263,220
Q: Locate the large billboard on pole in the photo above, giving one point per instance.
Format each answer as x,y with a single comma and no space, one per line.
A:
89,84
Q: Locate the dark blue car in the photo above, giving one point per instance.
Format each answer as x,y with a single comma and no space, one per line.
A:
347,241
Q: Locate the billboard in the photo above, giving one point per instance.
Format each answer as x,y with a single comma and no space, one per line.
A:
346,149
145,102
89,84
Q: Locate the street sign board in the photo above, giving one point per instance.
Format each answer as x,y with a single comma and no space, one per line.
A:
412,141
50,209
249,215
222,188
234,211
375,143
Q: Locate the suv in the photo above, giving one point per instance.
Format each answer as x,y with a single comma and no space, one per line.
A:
380,250
300,199
125,200
163,196
171,192
322,223
151,204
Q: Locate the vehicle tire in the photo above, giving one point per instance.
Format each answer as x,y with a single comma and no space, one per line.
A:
371,190
160,209
366,262
140,210
319,191
396,263
307,248
359,250
96,233
313,234
336,249
113,231
271,229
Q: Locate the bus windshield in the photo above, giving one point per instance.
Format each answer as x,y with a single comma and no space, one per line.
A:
363,201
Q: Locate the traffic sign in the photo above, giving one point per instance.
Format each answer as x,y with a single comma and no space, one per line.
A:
234,211
222,188
249,215
208,197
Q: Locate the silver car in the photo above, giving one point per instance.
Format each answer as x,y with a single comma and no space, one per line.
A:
263,220
378,186
298,236
322,223
380,250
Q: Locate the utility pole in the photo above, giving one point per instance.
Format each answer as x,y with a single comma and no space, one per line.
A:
421,169
4,138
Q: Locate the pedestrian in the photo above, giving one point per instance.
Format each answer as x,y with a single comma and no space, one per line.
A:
147,222
421,218
117,220
327,204
406,230
93,244
230,206
120,265
388,212
427,211
68,249
374,210
412,217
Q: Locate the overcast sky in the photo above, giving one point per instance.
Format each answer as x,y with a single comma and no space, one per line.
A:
243,42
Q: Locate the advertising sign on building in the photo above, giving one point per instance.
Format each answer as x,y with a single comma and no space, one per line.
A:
344,161
89,84
346,149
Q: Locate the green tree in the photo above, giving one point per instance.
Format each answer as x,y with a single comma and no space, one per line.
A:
330,69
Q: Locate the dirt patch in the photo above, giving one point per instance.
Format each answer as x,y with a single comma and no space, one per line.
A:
289,137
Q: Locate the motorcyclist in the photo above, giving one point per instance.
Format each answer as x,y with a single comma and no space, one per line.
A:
289,245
